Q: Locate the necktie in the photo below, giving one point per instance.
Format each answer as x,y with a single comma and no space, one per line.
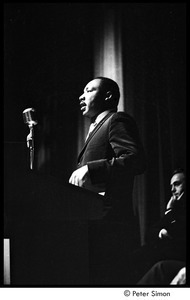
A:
91,128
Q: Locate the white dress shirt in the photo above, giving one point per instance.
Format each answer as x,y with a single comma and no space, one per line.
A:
97,120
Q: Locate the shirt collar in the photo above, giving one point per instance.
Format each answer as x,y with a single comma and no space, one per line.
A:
102,115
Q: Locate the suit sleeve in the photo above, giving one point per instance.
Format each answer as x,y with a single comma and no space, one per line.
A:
128,153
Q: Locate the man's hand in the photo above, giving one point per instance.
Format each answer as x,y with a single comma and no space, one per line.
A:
164,234
180,278
80,176
171,201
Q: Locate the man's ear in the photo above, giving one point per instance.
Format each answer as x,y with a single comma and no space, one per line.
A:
108,95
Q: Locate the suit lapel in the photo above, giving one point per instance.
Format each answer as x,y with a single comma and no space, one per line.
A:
93,132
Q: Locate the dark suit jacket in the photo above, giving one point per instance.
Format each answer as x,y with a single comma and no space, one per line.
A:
174,221
114,155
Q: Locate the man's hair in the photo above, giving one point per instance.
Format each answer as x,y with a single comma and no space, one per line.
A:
178,170
108,84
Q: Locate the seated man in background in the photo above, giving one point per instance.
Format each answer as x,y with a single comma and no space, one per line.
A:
168,239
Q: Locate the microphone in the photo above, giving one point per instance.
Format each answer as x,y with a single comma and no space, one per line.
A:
29,117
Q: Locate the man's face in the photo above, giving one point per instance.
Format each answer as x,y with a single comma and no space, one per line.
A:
92,100
177,184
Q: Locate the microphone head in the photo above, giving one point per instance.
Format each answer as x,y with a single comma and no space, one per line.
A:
29,116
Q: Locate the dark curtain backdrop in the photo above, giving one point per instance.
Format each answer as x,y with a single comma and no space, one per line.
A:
154,59
49,57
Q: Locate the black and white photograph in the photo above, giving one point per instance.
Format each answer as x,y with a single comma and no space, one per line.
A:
95,149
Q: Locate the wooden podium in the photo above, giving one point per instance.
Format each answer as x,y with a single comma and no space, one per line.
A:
47,223
60,234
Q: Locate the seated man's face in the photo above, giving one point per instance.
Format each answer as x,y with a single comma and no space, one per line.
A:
177,184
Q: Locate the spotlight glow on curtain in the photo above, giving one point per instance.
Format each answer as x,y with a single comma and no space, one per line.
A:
108,54
108,62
